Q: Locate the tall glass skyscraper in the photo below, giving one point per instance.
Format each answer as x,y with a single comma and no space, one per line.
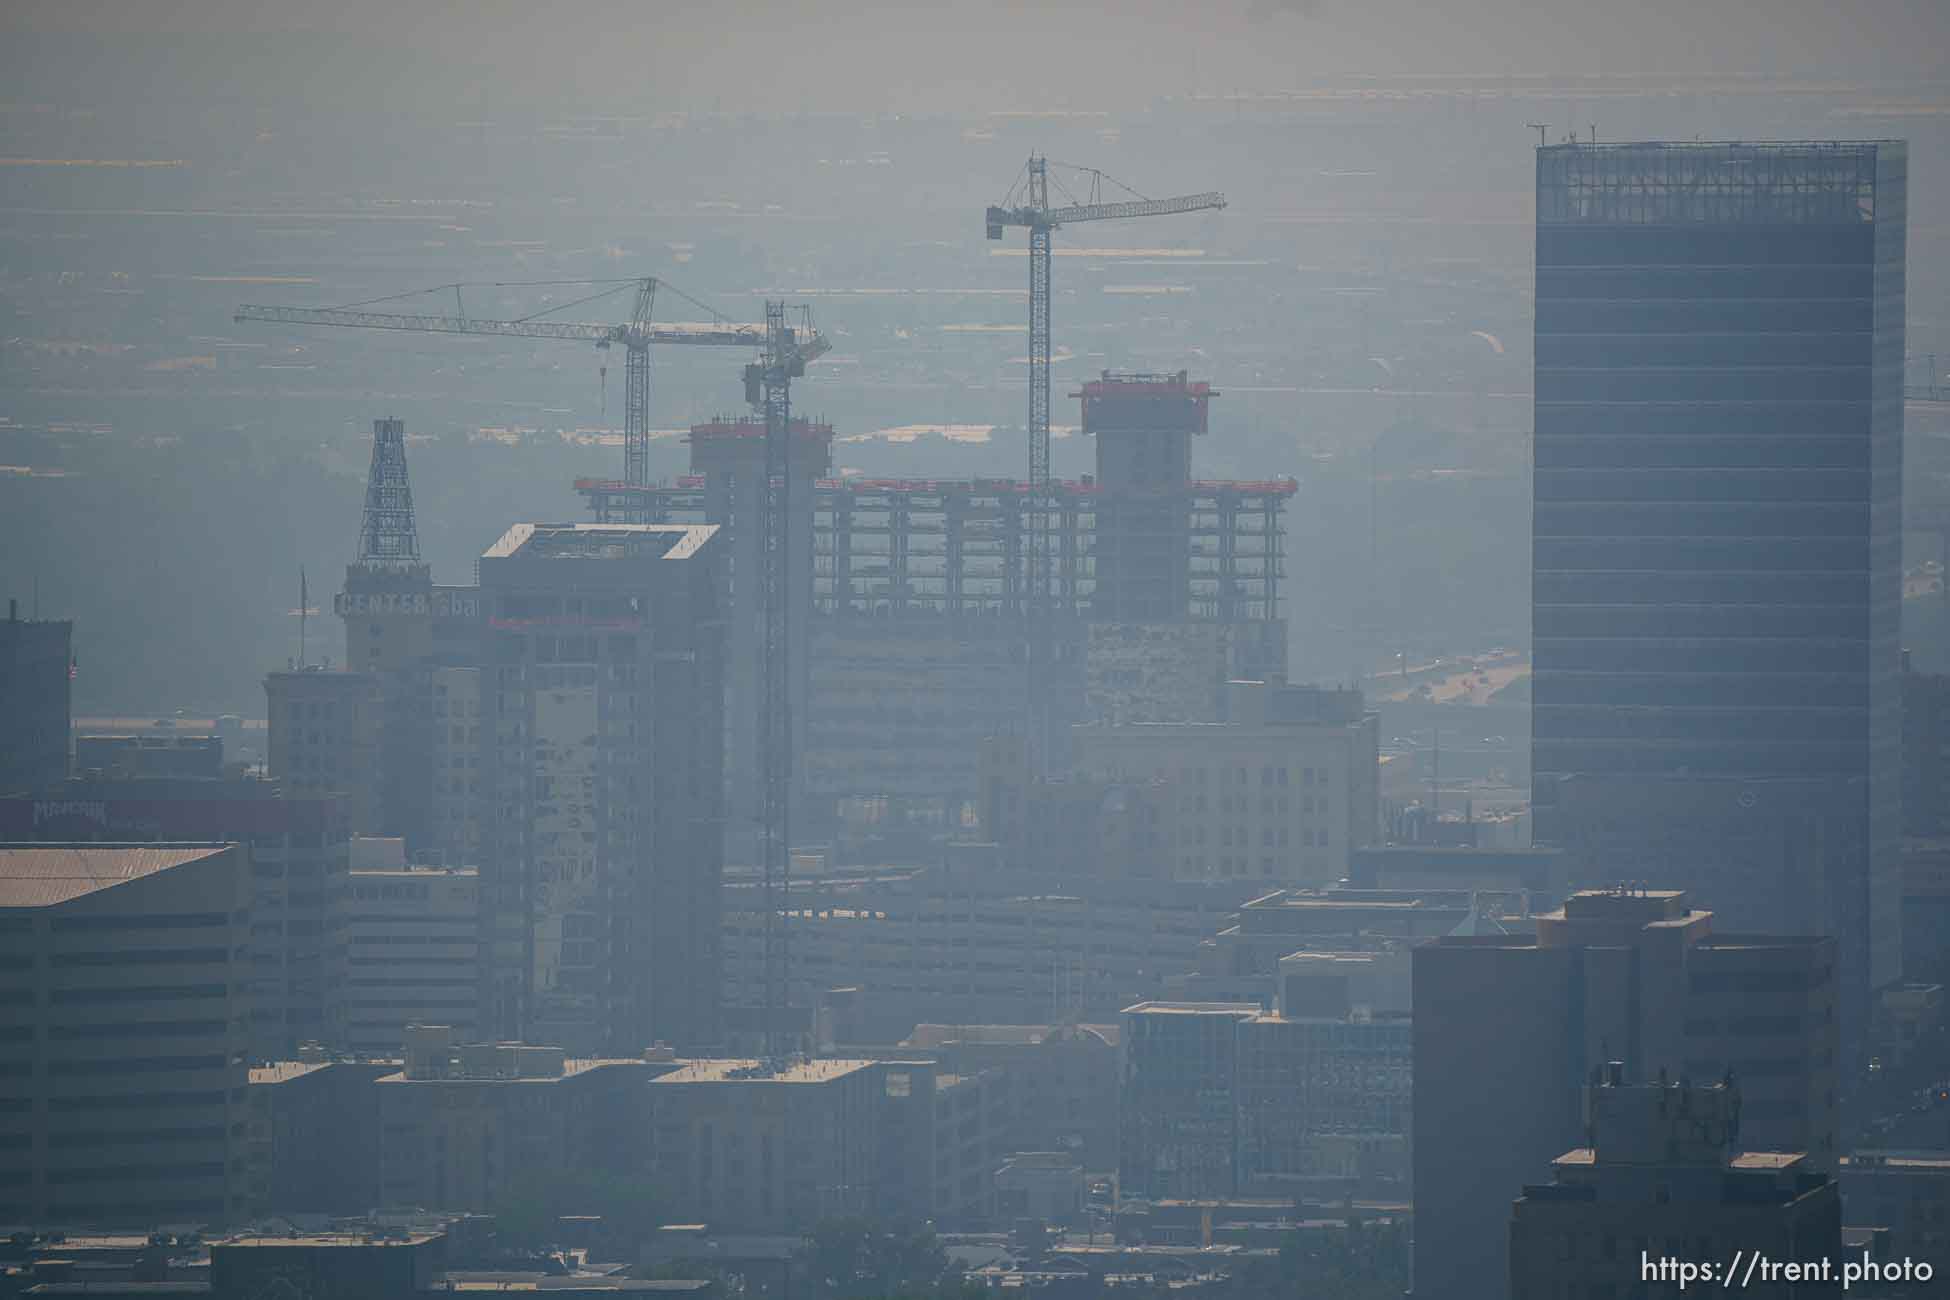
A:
1717,569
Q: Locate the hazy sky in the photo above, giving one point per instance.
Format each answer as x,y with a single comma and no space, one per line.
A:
975,54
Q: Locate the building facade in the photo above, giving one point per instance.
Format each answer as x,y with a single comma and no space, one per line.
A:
1926,755
474,1129
1281,792
296,853
1508,1028
35,697
123,1033
324,735
755,1149
974,945
1178,1100
1716,563
412,955
314,1136
915,632
601,872
1663,1164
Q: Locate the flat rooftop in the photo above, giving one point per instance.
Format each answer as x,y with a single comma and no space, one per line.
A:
1914,1162
733,1070
1194,1008
47,875
335,1239
284,1071
601,541
570,1069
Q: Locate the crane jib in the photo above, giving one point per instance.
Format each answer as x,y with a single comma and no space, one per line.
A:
1050,218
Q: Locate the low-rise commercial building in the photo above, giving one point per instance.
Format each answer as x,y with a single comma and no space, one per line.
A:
943,1137
1325,1102
982,946
314,1136
392,1265
754,1148
124,988
167,755
1308,1101
1178,1100
1044,1185
1064,1078
467,1128
1907,1192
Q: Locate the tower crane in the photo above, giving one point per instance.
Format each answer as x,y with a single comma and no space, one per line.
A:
768,387
634,336
1027,204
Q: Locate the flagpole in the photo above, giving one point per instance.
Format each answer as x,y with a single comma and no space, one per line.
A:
304,604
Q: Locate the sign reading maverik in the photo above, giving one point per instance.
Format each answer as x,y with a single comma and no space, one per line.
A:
441,604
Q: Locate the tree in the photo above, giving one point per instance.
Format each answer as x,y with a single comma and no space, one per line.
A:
858,1259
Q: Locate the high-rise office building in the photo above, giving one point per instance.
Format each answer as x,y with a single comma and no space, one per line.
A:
392,730
1718,522
123,1003
35,660
602,710
1508,1029
295,855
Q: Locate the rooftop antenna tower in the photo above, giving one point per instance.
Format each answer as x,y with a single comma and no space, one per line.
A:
389,538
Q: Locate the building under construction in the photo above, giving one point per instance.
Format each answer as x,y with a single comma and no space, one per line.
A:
914,621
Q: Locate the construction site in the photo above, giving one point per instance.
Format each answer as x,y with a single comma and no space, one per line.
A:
917,601
878,630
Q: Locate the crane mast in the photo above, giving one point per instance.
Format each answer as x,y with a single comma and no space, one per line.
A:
768,386
1034,212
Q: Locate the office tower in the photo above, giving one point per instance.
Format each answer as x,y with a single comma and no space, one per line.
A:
1926,754
123,999
1662,1175
35,688
324,739
729,455
297,850
1143,426
1718,524
378,727
603,713
1508,1028
1282,791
